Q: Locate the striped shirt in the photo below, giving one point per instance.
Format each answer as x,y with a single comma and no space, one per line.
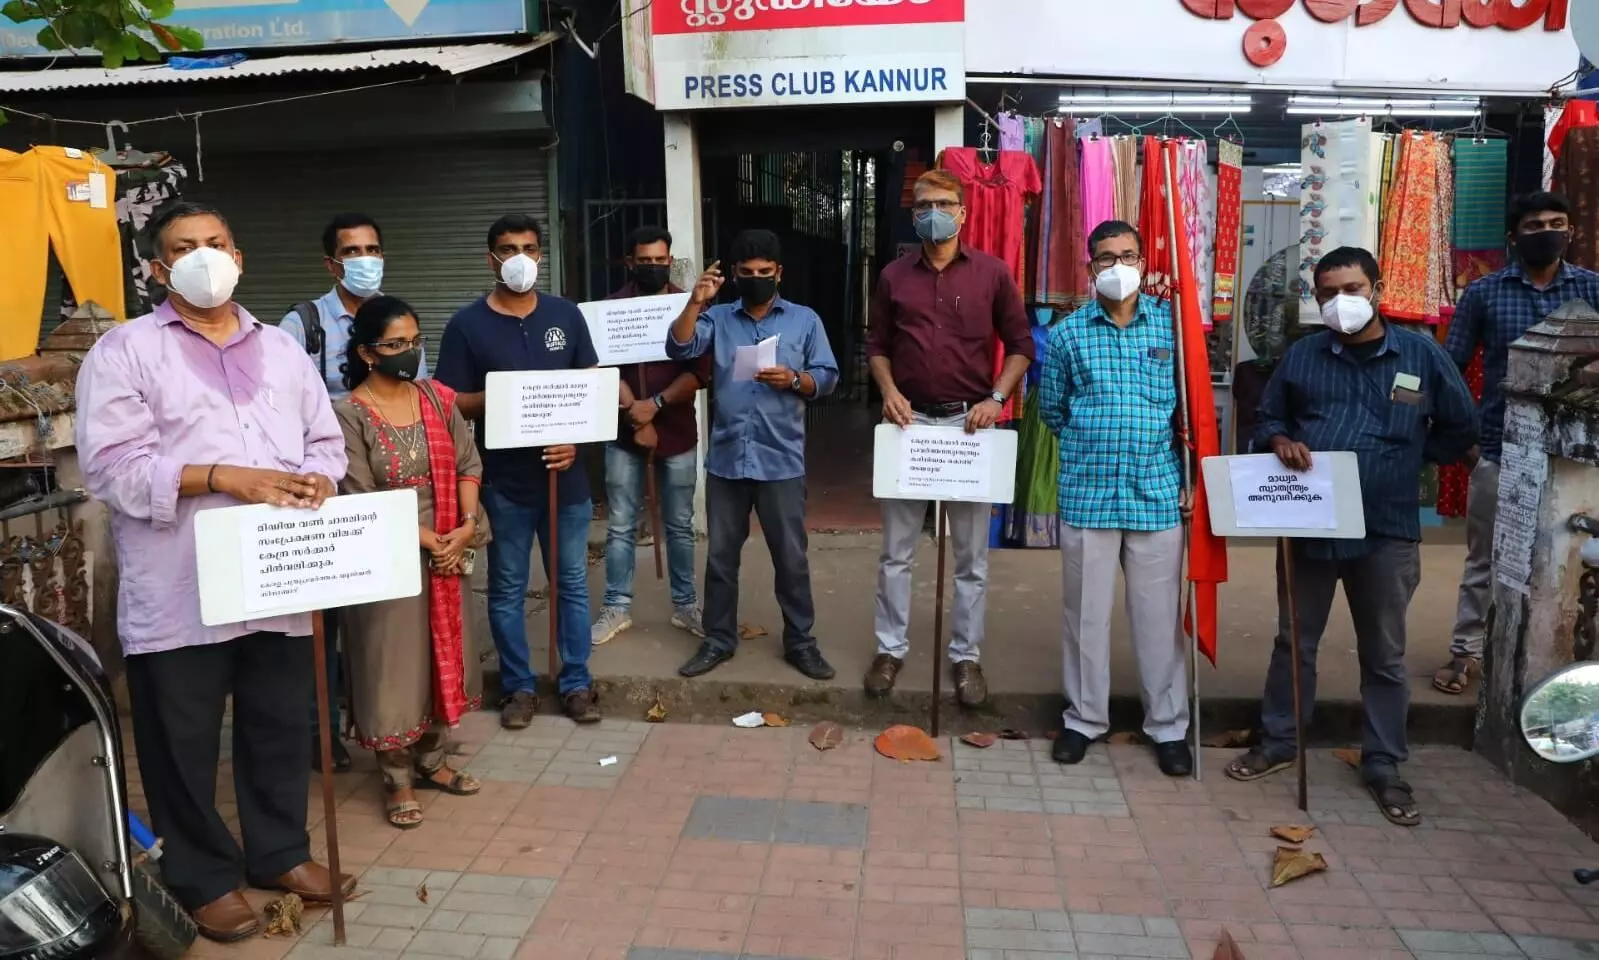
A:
1327,398
1110,394
1494,312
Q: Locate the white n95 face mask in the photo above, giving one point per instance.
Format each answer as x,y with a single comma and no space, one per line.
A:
519,272
1347,314
1118,282
204,277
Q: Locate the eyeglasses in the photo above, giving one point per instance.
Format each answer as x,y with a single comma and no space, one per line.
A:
398,346
922,206
1107,260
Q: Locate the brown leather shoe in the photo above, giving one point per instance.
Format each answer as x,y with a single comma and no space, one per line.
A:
882,674
970,687
227,918
516,713
581,706
313,882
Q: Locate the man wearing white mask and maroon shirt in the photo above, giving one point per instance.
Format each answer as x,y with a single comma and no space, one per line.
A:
1396,400
514,327
195,406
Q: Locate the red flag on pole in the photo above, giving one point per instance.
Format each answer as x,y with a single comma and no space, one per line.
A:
1207,553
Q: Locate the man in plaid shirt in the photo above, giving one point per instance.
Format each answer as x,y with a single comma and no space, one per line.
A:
1109,391
1493,313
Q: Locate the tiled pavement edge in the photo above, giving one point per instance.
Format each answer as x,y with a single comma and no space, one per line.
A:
711,843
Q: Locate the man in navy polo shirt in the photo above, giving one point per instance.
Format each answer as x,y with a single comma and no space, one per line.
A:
515,327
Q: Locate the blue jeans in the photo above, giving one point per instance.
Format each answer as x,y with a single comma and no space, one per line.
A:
624,487
514,526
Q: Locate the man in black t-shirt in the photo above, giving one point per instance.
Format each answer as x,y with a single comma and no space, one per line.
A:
515,327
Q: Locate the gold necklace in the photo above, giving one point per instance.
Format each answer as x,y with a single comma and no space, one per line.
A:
411,444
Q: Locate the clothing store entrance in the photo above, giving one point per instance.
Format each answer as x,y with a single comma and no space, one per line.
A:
834,186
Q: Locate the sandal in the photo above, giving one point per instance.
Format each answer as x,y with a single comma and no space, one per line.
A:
403,814
1396,801
1254,765
460,783
1454,677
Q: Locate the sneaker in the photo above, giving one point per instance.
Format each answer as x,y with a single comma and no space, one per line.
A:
516,713
612,621
689,618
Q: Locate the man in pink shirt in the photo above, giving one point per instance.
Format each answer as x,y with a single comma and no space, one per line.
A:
195,406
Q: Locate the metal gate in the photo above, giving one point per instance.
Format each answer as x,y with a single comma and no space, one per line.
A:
606,227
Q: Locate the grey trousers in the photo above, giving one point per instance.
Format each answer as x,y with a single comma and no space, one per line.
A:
968,534
1378,588
780,506
1476,581
1152,567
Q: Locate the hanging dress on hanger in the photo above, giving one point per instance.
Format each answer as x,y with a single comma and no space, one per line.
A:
1058,276
1099,183
1033,519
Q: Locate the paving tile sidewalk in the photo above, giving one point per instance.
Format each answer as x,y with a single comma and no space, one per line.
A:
713,843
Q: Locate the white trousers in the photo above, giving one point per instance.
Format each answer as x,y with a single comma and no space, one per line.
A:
1151,565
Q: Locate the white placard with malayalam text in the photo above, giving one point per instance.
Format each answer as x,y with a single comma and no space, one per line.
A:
1256,496
632,329
259,561
924,462
541,408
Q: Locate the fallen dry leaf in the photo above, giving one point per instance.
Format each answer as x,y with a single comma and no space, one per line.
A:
826,735
656,713
1349,755
981,741
1292,864
774,720
1125,738
1227,949
422,891
749,631
1228,739
1009,734
905,743
283,916
1293,833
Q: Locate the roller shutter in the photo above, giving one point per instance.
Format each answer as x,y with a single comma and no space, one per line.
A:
435,204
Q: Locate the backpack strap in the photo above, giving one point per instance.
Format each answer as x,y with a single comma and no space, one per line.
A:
315,338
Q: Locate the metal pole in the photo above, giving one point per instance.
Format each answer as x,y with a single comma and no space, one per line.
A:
1169,163
938,616
1286,548
330,817
553,575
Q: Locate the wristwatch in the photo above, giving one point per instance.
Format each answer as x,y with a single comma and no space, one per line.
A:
997,397
795,385
660,401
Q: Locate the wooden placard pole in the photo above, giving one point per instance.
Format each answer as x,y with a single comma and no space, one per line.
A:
654,507
942,524
1287,551
330,818
553,575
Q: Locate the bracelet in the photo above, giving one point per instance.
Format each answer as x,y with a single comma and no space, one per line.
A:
209,474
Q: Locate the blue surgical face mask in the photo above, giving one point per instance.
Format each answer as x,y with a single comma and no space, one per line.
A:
936,226
363,276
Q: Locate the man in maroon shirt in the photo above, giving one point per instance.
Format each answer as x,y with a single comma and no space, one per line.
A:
658,426
935,319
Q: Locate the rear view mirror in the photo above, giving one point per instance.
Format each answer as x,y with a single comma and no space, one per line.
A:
1560,717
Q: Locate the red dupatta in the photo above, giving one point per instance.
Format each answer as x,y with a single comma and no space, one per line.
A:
444,590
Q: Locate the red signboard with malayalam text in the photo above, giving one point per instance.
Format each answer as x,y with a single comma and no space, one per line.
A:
714,16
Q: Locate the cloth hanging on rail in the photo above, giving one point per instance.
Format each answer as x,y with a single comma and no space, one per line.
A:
1454,479
1099,183
1229,224
1441,264
1032,519
1059,279
1411,226
1577,175
996,197
1152,220
1125,150
1338,201
1012,132
1199,216
1576,114
1551,117
141,191
1479,222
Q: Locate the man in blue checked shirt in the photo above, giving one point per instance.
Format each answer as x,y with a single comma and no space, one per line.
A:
756,459
1397,400
1109,391
1493,313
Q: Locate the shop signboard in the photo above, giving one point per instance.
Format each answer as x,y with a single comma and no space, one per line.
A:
767,53
1510,46
256,24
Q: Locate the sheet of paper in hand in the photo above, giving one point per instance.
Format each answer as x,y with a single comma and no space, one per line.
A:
750,360
259,561
923,462
541,408
632,330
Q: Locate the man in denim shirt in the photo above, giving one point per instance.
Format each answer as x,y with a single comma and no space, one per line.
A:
757,453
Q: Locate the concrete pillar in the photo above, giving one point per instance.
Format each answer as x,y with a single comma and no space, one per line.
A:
949,126
683,221
1547,475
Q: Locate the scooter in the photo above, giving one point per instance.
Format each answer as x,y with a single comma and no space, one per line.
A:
1560,722
74,885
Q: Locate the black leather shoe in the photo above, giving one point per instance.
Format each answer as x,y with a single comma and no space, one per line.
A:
706,659
1070,747
1175,758
808,660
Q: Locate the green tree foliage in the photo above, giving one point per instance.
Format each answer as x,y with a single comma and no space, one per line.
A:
121,31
